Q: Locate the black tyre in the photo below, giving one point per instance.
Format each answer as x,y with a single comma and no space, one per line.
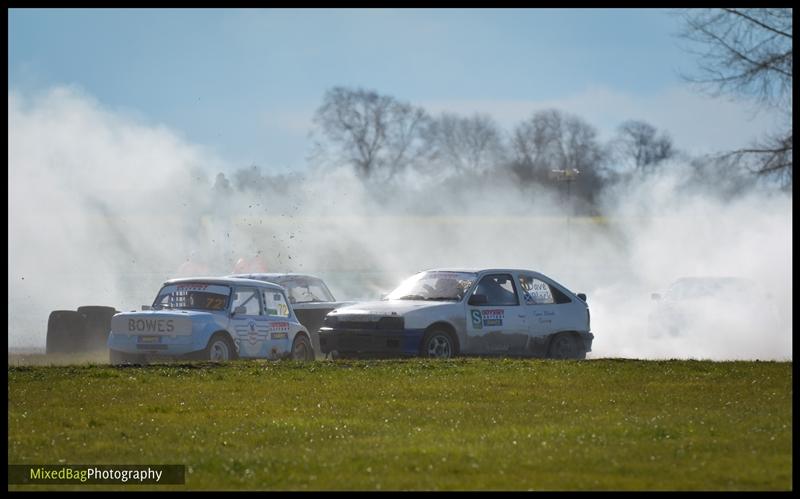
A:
98,325
65,332
439,344
302,349
566,346
118,358
220,348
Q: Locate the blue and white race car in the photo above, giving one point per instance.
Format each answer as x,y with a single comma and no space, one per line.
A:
211,318
446,312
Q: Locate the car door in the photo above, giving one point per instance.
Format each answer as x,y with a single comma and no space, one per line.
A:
250,325
548,309
498,323
278,317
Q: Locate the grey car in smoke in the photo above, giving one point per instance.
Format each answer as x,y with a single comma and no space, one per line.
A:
693,305
447,312
309,295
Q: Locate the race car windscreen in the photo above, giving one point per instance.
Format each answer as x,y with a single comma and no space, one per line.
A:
193,296
307,290
434,286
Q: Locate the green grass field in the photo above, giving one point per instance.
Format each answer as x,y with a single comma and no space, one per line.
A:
432,425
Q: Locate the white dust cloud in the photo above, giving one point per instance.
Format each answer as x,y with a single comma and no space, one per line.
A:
673,234
103,208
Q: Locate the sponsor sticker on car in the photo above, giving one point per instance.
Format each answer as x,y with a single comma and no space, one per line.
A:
279,330
481,318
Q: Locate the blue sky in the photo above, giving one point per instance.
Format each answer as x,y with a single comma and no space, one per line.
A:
245,83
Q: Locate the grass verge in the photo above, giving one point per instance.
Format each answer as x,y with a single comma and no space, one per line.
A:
464,424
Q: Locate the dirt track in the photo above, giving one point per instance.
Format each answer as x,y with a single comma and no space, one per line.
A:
42,359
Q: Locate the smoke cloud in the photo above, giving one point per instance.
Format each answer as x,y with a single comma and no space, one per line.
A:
103,207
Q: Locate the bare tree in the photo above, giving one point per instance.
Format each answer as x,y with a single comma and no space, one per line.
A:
536,145
552,141
641,144
748,52
468,143
409,136
580,149
373,132
770,157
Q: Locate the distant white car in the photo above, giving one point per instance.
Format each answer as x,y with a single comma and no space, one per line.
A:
696,304
211,318
447,312
309,295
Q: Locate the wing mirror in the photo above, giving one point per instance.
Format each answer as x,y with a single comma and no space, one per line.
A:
582,296
241,310
147,307
478,300
655,296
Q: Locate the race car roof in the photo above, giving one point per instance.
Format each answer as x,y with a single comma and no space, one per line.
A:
223,281
474,270
272,275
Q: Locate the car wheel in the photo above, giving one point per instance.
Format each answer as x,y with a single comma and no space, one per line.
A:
438,344
220,349
565,346
301,348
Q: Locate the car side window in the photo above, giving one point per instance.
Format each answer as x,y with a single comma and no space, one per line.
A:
534,291
275,303
306,290
247,298
499,290
537,292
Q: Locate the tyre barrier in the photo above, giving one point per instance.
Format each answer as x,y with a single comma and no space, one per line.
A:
98,325
65,331
77,331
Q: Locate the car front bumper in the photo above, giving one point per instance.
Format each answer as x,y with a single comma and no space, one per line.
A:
370,342
164,345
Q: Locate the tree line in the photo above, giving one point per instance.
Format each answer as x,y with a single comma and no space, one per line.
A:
381,136
743,52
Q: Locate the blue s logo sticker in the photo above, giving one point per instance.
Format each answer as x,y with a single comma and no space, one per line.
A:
477,320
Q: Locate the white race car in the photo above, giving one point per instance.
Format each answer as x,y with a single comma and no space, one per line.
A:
446,312
211,318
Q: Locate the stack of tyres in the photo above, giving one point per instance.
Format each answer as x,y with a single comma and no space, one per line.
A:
98,325
65,331
84,330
